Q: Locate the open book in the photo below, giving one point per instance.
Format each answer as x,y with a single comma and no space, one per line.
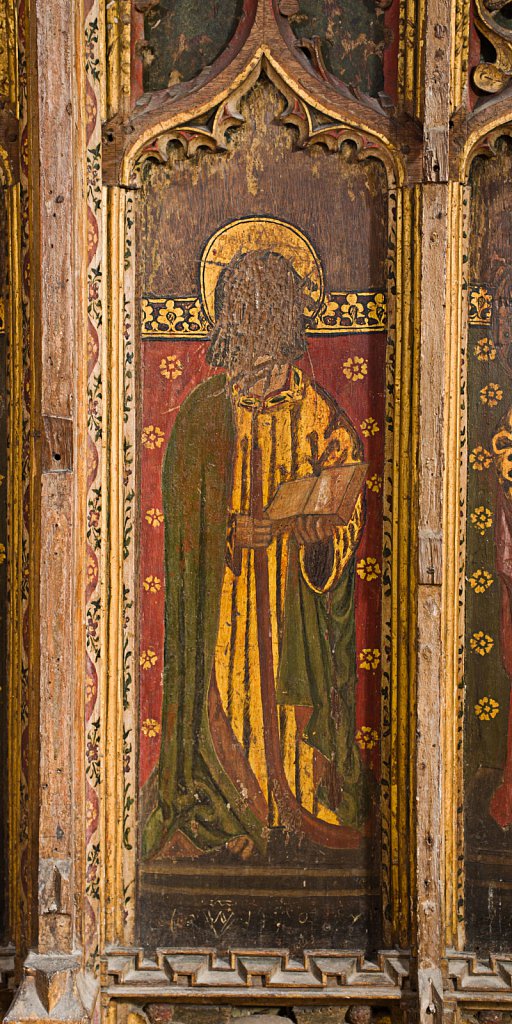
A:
333,493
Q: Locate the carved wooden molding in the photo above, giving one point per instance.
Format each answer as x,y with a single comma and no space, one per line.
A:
199,973
9,147
9,124
312,127
159,114
365,131
178,973
7,966
476,979
493,76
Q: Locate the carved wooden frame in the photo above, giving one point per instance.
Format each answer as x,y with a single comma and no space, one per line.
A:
16,318
125,146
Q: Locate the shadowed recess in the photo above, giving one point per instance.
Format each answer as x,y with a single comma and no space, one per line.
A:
182,37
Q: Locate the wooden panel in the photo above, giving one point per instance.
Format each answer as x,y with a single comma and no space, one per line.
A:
488,672
255,872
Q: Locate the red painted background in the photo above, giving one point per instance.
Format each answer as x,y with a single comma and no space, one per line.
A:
161,401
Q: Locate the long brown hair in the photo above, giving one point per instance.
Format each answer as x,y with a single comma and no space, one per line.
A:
259,297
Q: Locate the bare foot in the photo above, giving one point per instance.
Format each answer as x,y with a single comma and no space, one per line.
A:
241,847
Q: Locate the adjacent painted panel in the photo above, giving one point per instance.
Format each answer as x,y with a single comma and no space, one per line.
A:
488,633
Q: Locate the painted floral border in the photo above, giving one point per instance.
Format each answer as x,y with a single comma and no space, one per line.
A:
176,317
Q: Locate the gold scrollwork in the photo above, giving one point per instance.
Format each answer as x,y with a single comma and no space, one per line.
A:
345,312
8,72
173,318
493,76
341,313
480,305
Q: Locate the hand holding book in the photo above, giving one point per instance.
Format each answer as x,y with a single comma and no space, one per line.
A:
311,506
330,496
312,529
251,532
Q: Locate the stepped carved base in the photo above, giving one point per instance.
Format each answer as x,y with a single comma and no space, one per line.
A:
6,976
54,988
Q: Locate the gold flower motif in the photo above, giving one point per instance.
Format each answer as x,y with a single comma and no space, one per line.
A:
485,350
369,427
368,568
152,584
481,643
92,569
355,368
482,519
90,812
487,708
331,309
480,458
148,658
480,581
352,308
169,313
150,727
377,308
152,437
367,738
3,554
154,517
374,483
369,658
171,367
490,395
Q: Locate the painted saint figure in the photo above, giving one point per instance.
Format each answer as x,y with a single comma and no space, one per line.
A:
258,721
501,802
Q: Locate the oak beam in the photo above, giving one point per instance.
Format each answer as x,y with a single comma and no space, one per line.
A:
54,984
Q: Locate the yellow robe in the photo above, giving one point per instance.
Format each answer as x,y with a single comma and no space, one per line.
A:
502,449
294,430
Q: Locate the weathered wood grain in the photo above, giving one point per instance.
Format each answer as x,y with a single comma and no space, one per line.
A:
428,914
436,89
59,239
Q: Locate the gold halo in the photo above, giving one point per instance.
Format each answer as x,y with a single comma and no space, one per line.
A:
252,233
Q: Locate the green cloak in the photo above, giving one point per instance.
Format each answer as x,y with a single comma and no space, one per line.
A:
317,657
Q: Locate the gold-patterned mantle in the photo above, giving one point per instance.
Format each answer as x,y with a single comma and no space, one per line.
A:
174,317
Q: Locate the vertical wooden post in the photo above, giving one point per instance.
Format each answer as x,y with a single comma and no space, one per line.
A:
428,913
58,199
53,984
428,775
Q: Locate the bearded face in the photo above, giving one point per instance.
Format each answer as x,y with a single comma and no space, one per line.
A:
259,305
